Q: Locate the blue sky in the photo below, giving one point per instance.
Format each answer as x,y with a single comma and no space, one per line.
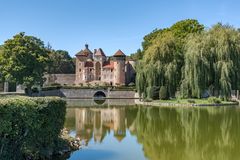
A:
109,24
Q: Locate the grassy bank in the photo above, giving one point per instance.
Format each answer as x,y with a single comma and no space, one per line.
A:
211,101
192,101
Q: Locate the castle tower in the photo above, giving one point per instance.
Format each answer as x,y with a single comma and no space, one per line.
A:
119,68
81,59
130,72
99,59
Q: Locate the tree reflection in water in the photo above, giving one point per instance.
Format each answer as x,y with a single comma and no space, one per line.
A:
167,133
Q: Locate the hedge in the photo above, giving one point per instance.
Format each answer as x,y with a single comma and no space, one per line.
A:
30,127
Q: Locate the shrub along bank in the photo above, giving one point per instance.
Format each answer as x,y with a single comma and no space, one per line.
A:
30,127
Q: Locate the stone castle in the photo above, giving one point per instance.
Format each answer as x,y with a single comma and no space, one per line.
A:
96,67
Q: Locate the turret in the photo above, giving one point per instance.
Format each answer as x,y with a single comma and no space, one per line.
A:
119,68
81,58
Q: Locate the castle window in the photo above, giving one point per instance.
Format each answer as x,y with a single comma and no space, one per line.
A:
111,70
80,70
90,70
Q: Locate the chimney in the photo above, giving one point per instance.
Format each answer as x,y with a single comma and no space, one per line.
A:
95,51
86,46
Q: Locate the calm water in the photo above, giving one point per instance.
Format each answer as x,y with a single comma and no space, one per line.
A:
136,133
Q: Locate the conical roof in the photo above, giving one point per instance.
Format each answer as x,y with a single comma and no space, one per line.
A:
119,53
100,52
84,52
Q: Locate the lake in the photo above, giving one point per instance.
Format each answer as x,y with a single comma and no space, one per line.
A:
130,132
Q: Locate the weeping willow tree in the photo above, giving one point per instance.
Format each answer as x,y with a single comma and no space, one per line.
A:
212,62
158,67
191,60
163,57
197,68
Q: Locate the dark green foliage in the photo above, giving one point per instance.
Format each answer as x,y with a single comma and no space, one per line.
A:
23,60
149,38
35,89
163,57
153,92
191,101
212,62
136,56
214,100
30,127
60,62
188,59
163,93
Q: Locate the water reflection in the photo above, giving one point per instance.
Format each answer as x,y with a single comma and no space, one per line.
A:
95,123
164,133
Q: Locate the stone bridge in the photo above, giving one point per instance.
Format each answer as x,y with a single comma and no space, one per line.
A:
88,93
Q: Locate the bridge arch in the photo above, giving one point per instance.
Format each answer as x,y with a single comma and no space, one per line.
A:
99,94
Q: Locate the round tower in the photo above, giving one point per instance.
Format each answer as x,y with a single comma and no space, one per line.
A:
119,68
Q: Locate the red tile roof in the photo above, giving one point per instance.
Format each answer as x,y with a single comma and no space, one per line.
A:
108,65
119,53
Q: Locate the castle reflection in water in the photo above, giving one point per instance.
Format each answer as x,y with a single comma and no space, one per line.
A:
96,123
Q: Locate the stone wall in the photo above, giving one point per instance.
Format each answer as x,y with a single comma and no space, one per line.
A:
87,93
63,79
121,94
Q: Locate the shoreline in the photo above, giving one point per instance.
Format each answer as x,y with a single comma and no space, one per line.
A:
168,104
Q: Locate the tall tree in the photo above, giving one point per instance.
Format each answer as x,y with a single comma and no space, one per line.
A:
163,56
23,60
60,62
212,62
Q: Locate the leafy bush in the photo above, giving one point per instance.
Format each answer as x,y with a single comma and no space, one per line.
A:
30,127
148,100
163,93
49,88
35,89
214,100
191,101
153,92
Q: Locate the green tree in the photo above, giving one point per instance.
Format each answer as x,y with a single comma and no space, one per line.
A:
149,38
212,61
60,62
137,56
163,56
23,60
